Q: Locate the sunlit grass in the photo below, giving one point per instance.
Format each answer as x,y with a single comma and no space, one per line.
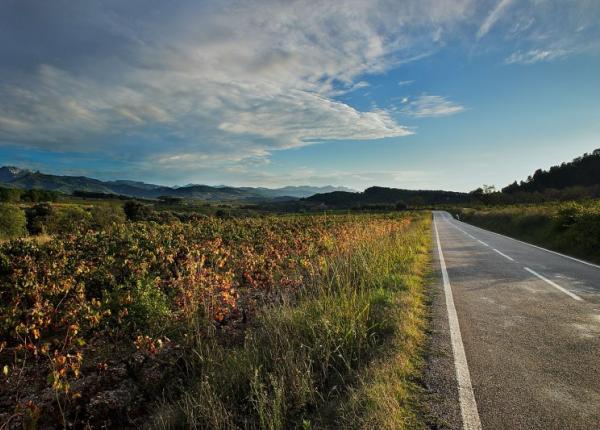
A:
296,368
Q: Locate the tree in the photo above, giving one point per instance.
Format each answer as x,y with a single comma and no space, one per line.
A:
489,189
104,216
11,195
168,200
582,171
136,211
38,217
401,206
69,219
37,195
12,222
512,188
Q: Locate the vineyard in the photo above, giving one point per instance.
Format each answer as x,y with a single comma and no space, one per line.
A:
216,323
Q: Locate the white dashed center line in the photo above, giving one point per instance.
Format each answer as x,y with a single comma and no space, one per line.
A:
503,254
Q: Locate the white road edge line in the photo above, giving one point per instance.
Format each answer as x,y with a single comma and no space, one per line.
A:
587,263
558,287
503,254
468,405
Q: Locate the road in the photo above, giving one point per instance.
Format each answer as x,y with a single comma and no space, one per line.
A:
521,333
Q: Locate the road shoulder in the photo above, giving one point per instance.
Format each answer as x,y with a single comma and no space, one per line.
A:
440,400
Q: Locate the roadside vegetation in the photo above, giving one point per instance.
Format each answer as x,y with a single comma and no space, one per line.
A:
572,227
124,318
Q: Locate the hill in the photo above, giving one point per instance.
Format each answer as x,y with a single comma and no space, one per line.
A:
22,178
387,196
583,171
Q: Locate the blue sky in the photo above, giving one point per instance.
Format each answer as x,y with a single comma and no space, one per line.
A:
413,94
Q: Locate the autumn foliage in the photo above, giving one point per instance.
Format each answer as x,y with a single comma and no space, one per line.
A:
150,287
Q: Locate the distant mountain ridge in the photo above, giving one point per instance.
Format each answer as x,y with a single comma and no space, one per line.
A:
28,179
387,196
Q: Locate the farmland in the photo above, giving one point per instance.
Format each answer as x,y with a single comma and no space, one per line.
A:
242,322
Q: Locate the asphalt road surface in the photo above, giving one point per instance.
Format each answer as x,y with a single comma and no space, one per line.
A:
521,332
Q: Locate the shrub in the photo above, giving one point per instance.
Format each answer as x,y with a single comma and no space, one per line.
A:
10,195
68,219
401,206
105,216
12,222
136,211
269,315
572,227
36,195
37,218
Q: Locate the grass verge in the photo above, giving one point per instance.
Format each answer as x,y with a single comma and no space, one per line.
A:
345,354
572,228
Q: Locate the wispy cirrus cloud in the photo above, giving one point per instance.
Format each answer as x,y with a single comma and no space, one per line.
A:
535,56
493,17
430,106
543,30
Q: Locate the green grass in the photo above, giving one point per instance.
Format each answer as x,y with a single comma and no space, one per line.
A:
346,354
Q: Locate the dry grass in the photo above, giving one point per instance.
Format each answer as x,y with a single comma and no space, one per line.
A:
346,355
387,396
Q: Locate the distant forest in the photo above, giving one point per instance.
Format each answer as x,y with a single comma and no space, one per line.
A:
575,180
583,171
387,198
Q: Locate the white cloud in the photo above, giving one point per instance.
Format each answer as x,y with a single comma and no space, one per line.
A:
541,30
357,179
430,106
535,56
493,16
212,80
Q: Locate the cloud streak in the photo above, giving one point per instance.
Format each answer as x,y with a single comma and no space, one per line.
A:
429,106
493,17
535,56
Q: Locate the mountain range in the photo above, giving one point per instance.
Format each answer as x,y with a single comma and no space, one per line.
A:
28,179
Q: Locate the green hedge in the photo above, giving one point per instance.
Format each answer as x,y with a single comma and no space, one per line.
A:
572,228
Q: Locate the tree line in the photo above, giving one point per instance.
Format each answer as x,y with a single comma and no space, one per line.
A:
574,180
583,171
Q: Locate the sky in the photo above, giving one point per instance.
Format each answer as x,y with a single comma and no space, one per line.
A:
418,94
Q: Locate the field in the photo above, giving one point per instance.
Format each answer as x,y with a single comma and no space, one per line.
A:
572,227
270,322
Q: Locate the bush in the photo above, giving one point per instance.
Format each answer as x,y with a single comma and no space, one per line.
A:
37,218
36,195
401,206
68,219
10,195
269,316
136,211
105,216
12,222
573,227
